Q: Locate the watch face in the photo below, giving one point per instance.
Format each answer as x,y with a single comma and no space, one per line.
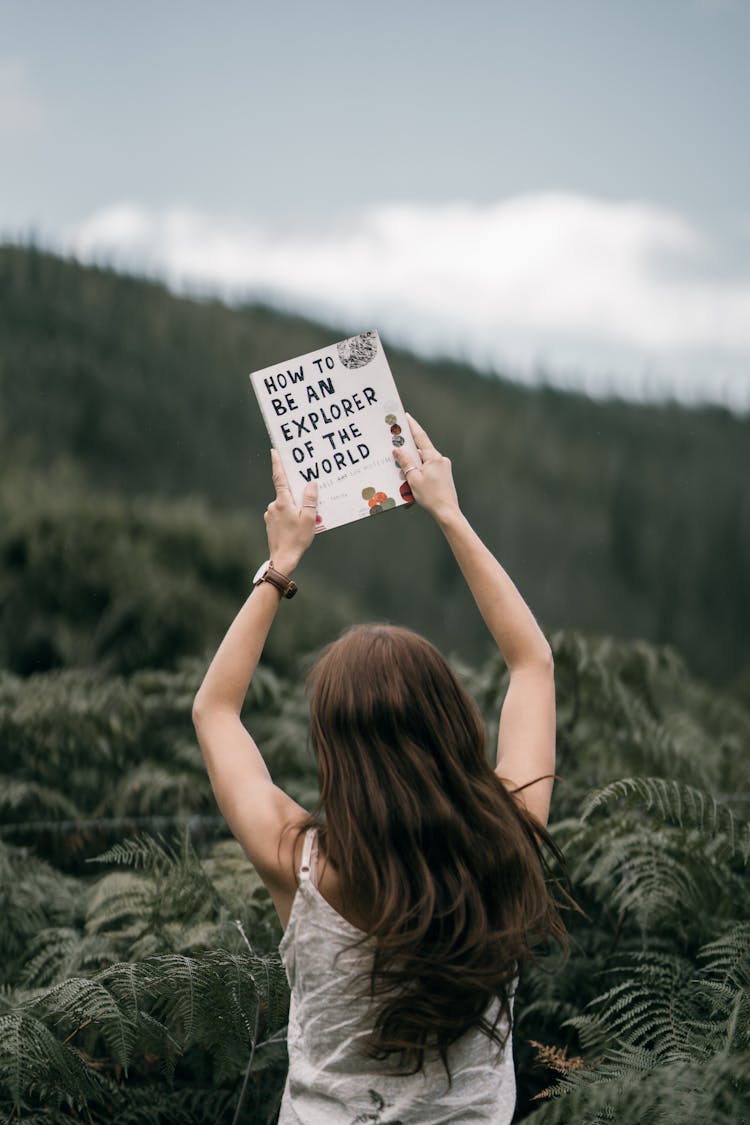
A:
260,572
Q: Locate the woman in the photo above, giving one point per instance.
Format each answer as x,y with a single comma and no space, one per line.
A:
409,909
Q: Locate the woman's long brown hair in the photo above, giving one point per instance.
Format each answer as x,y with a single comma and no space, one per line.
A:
426,840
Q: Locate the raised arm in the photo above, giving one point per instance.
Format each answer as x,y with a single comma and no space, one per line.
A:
255,809
526,738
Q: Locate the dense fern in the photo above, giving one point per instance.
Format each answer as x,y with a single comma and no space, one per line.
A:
629,1088
112,1023
33,897
62,952
177,902
672,862
681,805
139,970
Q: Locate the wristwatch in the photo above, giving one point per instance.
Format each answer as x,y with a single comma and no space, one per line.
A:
266,573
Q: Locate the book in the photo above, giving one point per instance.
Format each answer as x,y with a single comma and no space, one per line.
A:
335,416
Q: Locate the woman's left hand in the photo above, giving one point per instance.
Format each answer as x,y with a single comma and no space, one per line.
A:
290,529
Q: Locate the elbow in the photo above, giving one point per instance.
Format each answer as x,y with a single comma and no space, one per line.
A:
205,709
545,659
199,710
540,660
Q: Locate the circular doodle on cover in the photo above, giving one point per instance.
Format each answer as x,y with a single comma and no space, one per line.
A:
358,351
375,509
406,492
380,497
395,428
367,493
397,440
390,419
318,519
389,502
372,502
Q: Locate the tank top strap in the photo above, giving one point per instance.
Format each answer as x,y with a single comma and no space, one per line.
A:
309,864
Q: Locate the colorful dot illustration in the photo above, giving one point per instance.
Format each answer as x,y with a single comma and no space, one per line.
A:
398,440
393,424
380,501
377,501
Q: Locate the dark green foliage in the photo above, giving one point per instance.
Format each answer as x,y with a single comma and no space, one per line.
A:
134,960
92,1041
624,519
125,584
33,897
656,994
87,1027
126,750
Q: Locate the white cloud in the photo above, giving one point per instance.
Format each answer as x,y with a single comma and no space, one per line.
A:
601,294
20,109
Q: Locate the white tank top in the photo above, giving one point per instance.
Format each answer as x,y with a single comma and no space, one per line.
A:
328,1082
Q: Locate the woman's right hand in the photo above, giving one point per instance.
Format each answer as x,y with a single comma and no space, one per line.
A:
432,481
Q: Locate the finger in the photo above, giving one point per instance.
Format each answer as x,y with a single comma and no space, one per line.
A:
405,459
424,445
277,471
310,500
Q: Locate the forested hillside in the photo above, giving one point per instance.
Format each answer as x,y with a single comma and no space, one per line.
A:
613,517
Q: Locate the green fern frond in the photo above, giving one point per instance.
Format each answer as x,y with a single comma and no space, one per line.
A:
33,897
642,871
24,799
151,788
144,852
728,956
80,1002
61,952
119,901
31,1056
674,803
653,1010
223,1003
627,1087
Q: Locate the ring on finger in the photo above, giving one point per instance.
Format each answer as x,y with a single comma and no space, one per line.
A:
410,470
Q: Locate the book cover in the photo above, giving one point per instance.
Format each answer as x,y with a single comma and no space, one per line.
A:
335,416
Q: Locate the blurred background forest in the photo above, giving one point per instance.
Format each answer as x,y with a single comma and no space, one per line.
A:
136,470
140,978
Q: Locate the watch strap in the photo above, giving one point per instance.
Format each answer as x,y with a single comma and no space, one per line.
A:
286,587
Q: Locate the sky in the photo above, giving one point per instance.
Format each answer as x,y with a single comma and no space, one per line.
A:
551,190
